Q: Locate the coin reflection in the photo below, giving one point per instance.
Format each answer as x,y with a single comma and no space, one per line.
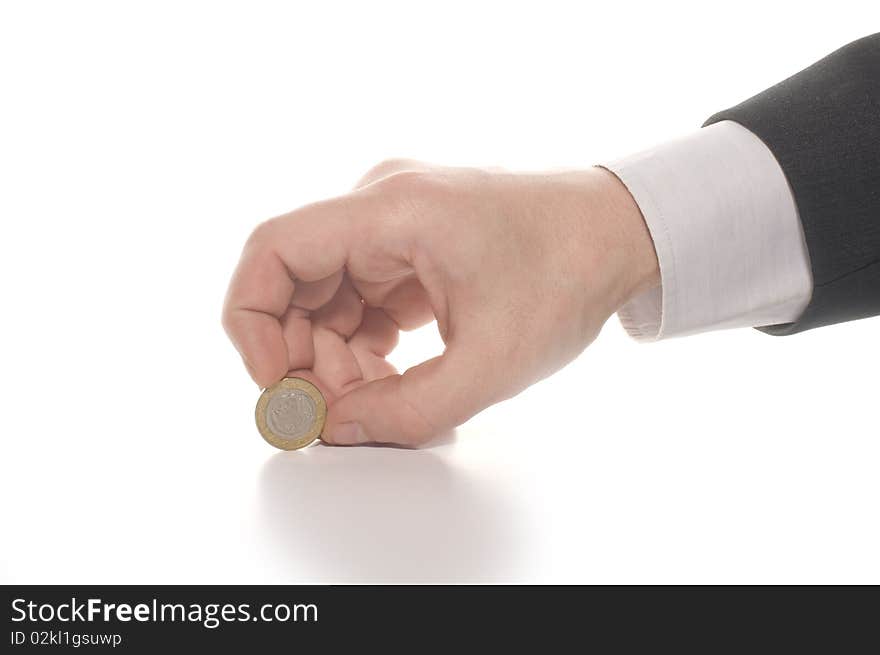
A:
386,515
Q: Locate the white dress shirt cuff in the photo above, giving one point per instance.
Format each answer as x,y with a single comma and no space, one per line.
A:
726,231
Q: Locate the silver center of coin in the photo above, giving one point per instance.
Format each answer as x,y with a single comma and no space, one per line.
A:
291,413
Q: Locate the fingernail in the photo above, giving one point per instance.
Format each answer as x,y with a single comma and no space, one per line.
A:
348,433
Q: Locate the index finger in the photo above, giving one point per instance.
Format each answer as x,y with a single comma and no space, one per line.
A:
308,244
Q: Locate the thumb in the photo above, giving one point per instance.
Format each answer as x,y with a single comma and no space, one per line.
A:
412,408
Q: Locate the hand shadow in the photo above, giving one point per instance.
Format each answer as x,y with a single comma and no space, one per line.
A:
362,515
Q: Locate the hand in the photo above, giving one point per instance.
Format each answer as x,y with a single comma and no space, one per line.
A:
520,272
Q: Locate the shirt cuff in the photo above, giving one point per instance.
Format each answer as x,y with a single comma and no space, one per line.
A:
727,234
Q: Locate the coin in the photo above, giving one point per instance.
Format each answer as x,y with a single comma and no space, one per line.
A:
290,414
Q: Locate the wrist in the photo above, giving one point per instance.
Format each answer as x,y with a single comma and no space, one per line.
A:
636,266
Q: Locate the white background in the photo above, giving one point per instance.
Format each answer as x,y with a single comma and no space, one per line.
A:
140,143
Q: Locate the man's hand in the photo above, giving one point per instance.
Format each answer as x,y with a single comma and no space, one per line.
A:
520,272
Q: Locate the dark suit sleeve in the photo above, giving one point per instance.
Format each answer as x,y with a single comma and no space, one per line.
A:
823,127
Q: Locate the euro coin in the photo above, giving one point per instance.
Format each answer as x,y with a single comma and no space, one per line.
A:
290,414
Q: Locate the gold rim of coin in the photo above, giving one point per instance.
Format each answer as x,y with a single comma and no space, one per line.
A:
314,432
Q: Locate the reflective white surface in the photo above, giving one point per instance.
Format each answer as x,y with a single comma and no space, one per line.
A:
139,149
732,457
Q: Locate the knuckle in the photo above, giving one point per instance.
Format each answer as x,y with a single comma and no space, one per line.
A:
260,235
230,319
387,167
226,320
413,184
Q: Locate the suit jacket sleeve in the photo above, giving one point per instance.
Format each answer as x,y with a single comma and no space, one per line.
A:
823,127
